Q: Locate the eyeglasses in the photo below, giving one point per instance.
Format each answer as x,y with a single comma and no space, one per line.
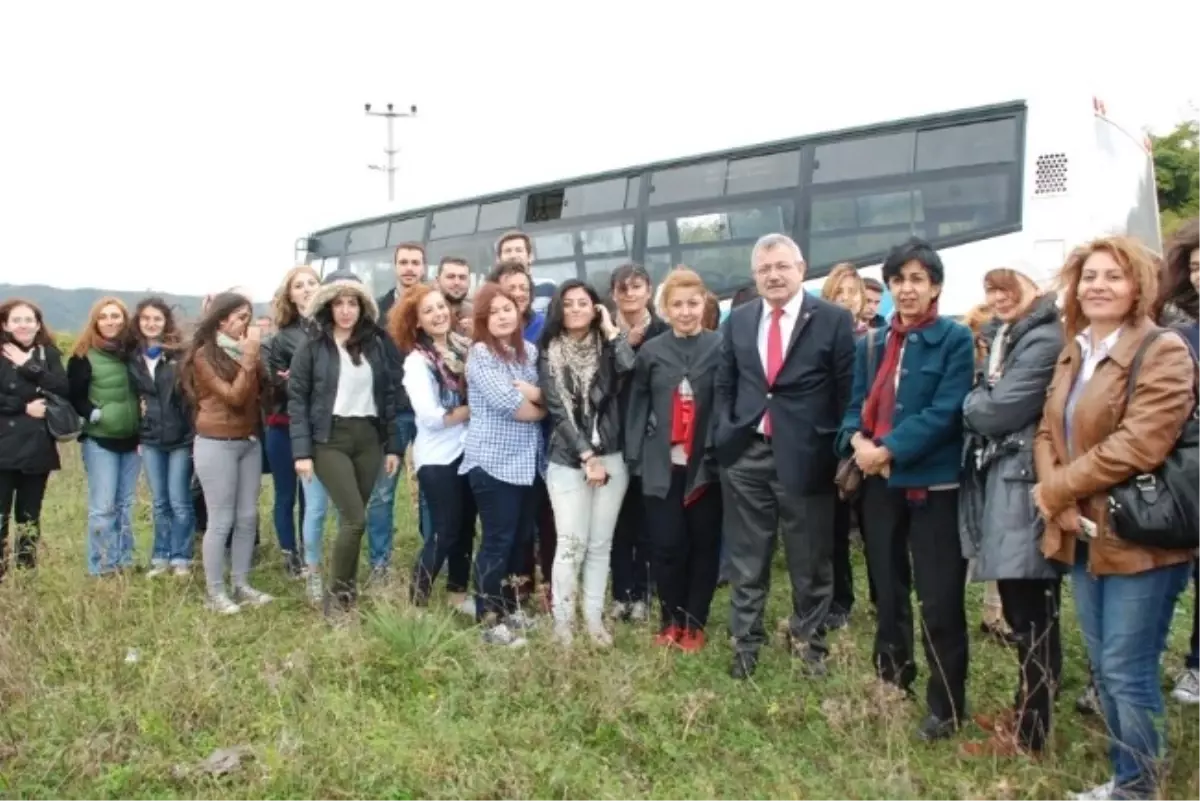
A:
779,267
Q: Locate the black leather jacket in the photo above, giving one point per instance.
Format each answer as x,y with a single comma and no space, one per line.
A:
167,420
277,358
312,390
569,437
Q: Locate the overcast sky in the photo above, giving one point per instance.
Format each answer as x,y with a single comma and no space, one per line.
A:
146,146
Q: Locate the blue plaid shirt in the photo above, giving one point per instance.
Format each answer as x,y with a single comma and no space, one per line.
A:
506,449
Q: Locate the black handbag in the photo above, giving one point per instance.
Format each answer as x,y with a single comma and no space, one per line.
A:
62,421
1160,509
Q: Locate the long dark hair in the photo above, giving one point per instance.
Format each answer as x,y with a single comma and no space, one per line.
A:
172,340
364,329
553,327
1175,287
204,338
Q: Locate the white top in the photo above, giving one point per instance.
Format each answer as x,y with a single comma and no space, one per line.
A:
787,324
1092,358
436,443
151,364
355,388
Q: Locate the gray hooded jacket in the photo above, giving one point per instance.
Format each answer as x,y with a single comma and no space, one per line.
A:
999,524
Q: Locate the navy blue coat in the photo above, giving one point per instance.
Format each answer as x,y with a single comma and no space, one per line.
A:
937,370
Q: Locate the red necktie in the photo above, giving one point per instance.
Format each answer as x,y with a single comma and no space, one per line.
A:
774,358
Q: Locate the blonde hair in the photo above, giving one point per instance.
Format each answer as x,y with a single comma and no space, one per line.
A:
1139,265
283,310
90,337
833,282
680,278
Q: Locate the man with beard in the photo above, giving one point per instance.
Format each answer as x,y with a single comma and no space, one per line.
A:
454,282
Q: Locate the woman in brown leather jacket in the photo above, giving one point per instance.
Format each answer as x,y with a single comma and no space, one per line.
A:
1089,441
221,374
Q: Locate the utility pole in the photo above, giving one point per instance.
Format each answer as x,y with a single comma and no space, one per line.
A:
391,150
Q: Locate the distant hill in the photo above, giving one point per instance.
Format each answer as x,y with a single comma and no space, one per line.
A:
66,310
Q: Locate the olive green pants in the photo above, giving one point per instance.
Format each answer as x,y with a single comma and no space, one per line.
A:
348,466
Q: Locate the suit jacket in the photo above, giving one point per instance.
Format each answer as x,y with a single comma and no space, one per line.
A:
806,402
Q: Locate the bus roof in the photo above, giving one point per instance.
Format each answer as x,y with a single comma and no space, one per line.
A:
946,117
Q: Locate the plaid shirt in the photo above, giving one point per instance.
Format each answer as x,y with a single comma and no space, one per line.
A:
506,449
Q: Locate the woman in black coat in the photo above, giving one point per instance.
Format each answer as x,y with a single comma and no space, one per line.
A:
30,366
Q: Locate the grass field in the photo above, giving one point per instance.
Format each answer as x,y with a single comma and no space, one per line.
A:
124,687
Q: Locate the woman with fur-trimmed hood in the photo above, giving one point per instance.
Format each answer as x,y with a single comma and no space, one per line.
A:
342,414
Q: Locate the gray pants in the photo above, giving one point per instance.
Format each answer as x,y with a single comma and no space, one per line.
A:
230,472
758,506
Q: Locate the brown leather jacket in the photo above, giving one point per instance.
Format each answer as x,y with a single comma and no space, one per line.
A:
228,409
1112,443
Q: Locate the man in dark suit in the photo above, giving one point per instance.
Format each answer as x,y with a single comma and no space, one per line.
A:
784,383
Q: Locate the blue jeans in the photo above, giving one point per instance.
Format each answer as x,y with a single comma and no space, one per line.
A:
381,507
112,480
169,474
278,442
1125,620
316,505
506,514
451,536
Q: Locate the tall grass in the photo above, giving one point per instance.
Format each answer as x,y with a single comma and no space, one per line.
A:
124,687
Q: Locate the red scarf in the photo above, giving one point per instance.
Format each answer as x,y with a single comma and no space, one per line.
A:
881,400
683,432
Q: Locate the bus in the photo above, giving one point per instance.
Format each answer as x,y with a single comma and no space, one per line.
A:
1013,183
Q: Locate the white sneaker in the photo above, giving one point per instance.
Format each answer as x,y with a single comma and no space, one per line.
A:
158,569
248,595
501,634
619,610
222,604
1187,687
181,571
1101,792
563,634
639,613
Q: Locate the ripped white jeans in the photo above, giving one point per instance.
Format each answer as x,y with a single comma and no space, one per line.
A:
585,518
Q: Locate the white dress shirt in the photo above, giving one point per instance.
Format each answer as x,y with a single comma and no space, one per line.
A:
787,324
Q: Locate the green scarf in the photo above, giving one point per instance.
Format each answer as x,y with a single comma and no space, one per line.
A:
231,346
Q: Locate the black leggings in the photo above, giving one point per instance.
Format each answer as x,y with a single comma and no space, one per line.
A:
687,552
21,497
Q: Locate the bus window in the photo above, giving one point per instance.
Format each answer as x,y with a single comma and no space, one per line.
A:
479,252
594,198
687,183
607,239
410,230
454,222
992,142
367,237
374,268
332,243
761,173
868,157
501,214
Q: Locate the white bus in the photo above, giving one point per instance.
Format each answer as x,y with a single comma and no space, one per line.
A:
1017,182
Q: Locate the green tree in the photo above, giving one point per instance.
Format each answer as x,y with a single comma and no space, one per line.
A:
1177,172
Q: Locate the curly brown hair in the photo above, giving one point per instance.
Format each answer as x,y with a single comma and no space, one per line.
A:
404,320
1139,265
1177,288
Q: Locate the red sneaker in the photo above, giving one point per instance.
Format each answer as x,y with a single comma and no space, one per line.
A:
669,636
692,640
